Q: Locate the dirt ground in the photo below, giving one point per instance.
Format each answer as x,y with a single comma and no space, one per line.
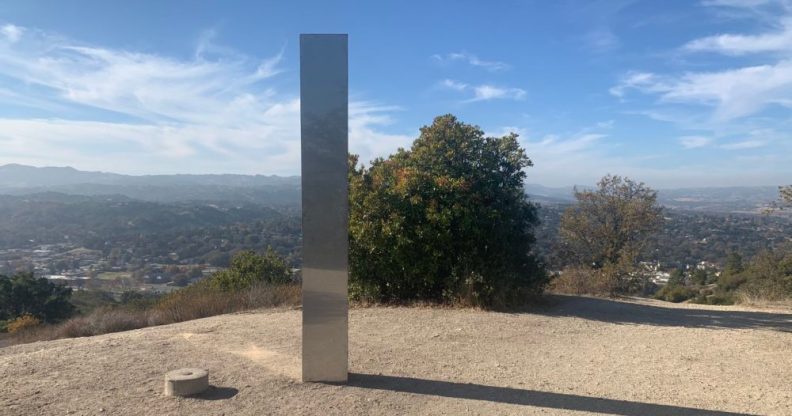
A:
577,356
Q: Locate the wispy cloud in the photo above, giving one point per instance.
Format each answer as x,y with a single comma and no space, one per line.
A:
221,111
779,40
454,85
11,33
601,40
484,92
746,144
739,3
562,159
731,93
491,92
645,81
472,60
693,142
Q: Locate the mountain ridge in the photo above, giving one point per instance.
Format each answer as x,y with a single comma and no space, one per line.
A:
17,179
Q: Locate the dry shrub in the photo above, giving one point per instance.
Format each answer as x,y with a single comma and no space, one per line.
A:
107,320
22,323
189,304
266,296
182,305
75,327
582,281
762,301
202,302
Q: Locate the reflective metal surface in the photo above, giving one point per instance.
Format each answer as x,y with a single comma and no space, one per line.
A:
324,120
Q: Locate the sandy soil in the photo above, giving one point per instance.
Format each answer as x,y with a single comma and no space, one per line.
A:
578,356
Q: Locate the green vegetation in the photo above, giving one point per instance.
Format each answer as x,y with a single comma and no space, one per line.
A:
248,269
445,221
253,281
25,295
768,276
675,293
608,230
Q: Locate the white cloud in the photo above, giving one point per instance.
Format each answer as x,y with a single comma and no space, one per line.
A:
490,92
365,140
11,32
602,40
143,113
472,60
693,142
731,93
738,3
731,44
564,159
746,144
454,85
636,80
484,92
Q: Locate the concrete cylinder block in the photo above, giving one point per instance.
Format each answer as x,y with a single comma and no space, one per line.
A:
186,382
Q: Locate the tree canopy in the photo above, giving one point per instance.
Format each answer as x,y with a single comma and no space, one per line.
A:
446,220
786,194
24,294
610,227
249,268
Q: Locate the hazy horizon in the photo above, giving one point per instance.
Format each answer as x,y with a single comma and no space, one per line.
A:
527,183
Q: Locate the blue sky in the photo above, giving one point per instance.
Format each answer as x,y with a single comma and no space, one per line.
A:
673,93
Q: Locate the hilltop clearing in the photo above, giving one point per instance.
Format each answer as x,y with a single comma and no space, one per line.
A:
576,356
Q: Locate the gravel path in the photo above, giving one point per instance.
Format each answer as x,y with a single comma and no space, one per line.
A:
578,356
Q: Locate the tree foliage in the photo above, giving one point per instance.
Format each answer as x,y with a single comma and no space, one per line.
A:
446,220
786,194
23,294
609,227
767,276
249,268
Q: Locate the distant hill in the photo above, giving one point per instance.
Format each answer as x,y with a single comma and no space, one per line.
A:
735,199
261,189
285,191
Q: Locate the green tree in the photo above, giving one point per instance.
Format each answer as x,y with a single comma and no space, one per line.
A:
445,221
24,294
677,277
769,275
734,264
609,228
249,268
731,278
699,277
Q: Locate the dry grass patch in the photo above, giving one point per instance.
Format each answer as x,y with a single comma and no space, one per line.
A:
182,305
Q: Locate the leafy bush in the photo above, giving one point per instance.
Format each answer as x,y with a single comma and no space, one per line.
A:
139,300
579,280
768,276
675,293
86,301
445,221
249,269
21,323
24,294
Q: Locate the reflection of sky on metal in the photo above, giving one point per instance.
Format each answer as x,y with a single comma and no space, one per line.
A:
324,124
